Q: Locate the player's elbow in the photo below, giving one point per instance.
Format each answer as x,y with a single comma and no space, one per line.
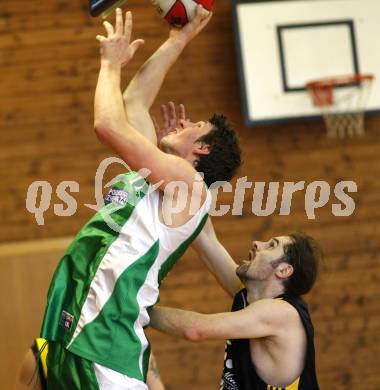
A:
133,98
102,131
194,333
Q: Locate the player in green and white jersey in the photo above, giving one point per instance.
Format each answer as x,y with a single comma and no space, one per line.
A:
108,280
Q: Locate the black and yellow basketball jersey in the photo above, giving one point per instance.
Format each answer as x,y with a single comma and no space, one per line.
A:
40,350
239,373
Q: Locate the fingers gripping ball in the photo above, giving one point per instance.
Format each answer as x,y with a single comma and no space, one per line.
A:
180,12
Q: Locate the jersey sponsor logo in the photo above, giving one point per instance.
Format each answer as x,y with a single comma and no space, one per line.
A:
66,320
228,382
120,197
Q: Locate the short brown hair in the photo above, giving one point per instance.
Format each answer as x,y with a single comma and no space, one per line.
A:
225,157
304,254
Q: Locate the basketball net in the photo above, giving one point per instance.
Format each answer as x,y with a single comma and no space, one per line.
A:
342,101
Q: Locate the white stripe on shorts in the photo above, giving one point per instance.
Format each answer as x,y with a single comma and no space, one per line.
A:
113,380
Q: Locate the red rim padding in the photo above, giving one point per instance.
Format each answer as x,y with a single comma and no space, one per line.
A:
322,90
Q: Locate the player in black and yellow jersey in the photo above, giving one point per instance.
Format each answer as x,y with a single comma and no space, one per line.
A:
269,332
34,371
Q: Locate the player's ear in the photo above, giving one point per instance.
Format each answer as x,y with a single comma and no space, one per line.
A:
284,270
201,149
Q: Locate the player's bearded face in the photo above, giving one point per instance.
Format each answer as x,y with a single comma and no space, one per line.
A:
263,259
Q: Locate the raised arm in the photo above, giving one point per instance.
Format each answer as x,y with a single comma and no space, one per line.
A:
111,124
263,318
115,52
145,85
217,259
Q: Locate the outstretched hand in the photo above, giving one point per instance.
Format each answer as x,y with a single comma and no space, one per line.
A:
170,118
116,47
194,27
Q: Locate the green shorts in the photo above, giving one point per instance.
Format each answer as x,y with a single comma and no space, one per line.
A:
69,371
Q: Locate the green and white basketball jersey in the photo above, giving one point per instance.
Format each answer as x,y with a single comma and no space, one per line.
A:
108,279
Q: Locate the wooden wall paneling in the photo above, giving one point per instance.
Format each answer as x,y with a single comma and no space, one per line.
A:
49,63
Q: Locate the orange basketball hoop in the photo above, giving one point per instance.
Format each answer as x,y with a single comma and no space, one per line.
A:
342,101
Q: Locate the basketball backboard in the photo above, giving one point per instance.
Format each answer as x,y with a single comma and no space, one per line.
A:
104,7
282,45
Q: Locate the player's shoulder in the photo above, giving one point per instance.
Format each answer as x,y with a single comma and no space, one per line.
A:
275,310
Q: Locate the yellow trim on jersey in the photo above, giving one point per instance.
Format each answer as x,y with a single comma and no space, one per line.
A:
293,386
40,344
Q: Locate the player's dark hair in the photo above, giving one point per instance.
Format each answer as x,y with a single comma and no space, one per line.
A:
304,254
225,157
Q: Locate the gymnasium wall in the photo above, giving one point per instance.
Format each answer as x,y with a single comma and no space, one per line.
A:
48,70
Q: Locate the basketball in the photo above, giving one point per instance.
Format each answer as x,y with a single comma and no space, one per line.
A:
180,12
